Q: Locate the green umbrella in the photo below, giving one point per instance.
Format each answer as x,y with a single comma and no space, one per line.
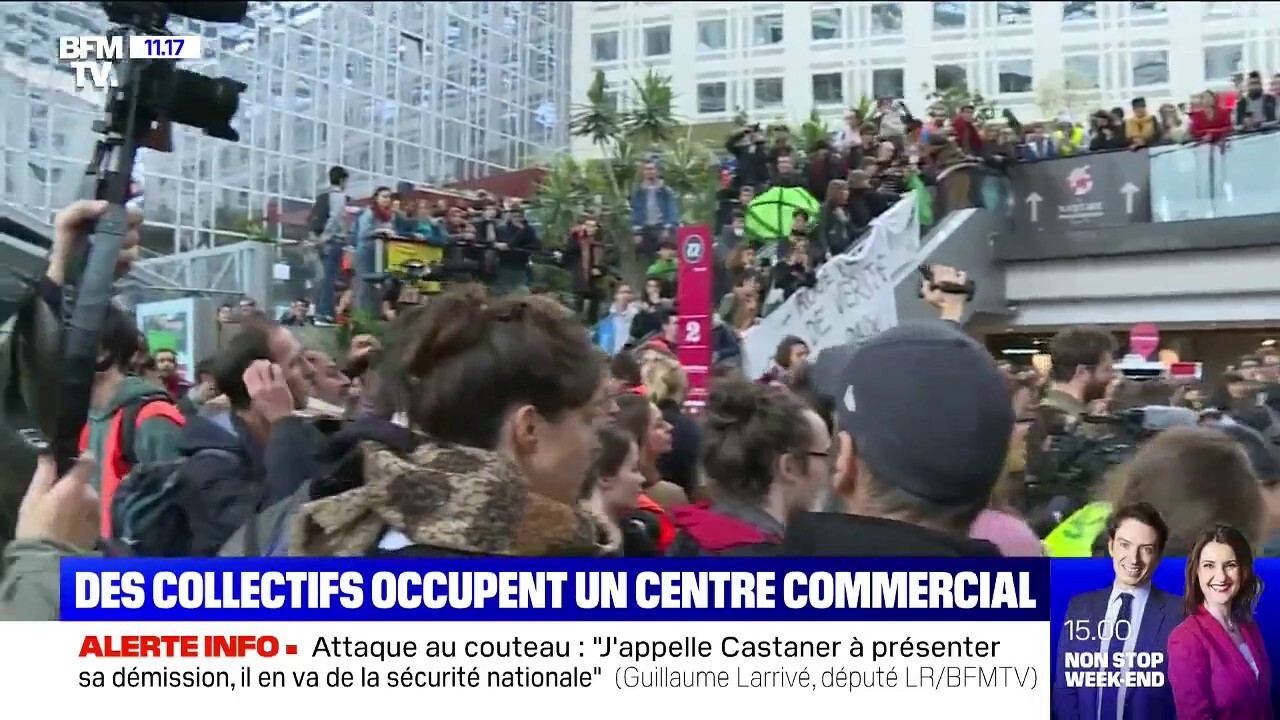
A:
769,216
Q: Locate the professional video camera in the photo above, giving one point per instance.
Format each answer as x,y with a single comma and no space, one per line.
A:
56,357
1082,451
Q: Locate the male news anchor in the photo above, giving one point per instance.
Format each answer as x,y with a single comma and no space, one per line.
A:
1129,616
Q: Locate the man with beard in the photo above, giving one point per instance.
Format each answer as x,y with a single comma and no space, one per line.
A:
1083,367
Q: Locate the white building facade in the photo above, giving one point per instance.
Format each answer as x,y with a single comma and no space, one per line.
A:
427,92
782,60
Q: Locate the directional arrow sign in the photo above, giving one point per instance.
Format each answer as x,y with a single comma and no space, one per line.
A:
1033,206
1129,190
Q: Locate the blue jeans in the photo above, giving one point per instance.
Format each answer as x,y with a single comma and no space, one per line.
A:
331,267
365,293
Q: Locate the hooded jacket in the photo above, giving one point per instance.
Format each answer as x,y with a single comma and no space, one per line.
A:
442,500
724,528
155,439
826,534
226,489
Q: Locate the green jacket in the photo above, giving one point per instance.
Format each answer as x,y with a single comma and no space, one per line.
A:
1064,403
156,440
29,582
664,270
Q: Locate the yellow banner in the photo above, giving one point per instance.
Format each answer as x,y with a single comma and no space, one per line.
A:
400,252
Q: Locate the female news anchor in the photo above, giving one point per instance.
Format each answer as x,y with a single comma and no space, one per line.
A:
1218,667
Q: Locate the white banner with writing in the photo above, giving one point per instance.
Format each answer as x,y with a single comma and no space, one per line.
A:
853,298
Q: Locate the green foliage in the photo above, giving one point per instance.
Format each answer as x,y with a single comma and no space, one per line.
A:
957,95
814,132
362,323
864,107
647,129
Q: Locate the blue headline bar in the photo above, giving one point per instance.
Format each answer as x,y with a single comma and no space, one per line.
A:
555,589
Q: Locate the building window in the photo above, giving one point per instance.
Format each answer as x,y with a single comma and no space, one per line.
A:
767,29
886,18
887,82
1082,72
828,88
713,35
713,97
1150,67
1013,13
948,16
768,93
1220,9
825,24
1223,61
948,76
1076,11
1147,7
1015,76
657,41
604,46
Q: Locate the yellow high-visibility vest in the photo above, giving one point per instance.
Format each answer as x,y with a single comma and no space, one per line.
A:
1075,536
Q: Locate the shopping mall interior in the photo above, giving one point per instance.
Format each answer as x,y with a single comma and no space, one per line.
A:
1216,347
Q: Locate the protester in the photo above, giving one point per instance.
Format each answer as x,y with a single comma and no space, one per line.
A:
618,486
243,459
376,219
327,225
1254,108
666,384
911,477
131,421
766,457
1209,123
508,392
1195,477
654,211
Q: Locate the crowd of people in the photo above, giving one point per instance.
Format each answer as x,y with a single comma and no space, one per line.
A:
491,425
494,421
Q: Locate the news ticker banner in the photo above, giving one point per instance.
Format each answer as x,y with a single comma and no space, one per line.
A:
491,636
742,635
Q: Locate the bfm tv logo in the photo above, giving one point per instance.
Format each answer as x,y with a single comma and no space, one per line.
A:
91,57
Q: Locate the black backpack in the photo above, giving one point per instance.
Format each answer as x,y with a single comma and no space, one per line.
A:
148,512
319,216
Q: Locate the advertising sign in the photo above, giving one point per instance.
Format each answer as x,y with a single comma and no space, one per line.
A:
170,325
400,252
1081,193
693,301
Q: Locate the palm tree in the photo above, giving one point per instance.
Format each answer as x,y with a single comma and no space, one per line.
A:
651,118
647,129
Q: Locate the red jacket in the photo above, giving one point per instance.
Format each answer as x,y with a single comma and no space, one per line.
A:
714,532
967,135
1210,129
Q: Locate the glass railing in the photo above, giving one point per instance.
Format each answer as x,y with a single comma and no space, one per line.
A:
1204,182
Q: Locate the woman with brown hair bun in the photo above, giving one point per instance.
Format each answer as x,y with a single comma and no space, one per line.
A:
504,395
